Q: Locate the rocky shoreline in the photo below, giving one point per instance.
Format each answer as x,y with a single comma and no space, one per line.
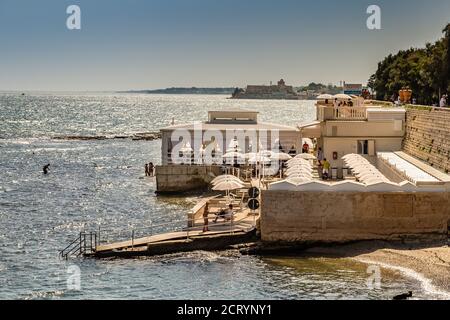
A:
144,136
428,263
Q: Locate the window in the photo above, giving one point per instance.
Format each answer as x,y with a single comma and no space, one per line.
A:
363,147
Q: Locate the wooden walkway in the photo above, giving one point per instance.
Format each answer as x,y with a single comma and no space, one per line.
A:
243,223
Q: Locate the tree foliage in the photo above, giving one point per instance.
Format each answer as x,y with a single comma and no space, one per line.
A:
426,71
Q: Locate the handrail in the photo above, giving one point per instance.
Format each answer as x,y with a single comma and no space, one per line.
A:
87,242
79,246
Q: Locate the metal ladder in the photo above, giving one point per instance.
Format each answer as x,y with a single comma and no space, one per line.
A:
83,245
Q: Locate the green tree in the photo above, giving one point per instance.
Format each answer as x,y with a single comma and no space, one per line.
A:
425,71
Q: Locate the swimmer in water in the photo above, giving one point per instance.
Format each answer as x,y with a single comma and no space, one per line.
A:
45,168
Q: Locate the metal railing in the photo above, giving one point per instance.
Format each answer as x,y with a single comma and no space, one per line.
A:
87,242
84,244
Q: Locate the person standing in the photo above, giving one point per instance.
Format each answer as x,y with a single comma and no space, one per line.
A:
146,169
320,156
326,169
305,148
206,218
151,169
335,103
443,102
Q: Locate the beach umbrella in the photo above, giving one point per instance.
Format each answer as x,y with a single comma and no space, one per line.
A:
234,146
342,96
259,159
228,186
280,156
305,156
225,177
300,175
233,154
271,171
325,97
298,160
187,150
298,169
265,153
201,155
299,164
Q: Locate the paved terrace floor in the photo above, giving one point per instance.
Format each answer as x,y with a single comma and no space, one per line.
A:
425,167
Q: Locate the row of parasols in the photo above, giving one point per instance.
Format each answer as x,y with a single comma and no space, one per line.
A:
340,96
363,170
299,170
234,155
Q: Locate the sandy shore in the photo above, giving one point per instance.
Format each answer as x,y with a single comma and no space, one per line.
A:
429,264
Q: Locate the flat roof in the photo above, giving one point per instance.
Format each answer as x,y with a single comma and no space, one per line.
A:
407,168
234,110
232,126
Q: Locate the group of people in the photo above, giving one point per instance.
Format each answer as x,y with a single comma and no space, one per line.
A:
226,215
149,169
340,103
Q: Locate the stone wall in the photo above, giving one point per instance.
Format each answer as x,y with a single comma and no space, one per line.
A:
292,216
178,179
428,136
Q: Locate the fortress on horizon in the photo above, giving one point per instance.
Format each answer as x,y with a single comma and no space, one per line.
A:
279,91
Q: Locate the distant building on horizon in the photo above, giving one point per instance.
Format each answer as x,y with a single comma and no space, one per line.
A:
280,91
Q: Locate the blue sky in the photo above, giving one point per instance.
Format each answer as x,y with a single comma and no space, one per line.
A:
140,44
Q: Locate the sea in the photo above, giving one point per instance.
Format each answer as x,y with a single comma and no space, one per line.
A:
96,183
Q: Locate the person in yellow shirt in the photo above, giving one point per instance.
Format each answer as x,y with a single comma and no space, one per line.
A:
326,169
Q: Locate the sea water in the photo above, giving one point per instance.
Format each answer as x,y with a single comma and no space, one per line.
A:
96,183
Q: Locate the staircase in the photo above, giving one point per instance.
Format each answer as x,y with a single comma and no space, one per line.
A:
83,245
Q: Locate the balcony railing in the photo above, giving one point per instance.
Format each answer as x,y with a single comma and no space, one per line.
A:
341,113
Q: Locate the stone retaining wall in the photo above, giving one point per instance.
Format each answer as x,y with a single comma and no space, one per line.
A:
428,136
296,217
178,179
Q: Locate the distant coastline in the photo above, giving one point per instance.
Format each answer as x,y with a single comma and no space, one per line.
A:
192,90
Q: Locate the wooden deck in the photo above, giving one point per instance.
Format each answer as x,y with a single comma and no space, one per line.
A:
243,223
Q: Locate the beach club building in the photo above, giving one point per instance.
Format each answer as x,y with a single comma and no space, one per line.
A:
225,131
376,190
373,190
219,131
